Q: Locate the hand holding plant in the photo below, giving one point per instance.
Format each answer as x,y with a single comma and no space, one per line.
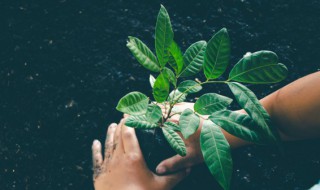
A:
261,67
123,166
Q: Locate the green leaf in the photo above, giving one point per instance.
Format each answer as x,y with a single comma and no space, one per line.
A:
154,113
140,121
261,67
177,96
170,76
249,102
239,125
164,36
152,80
217,55
193,59
161,88
172,126
176,58
189,86
211,102
188,122
175,141
143,54
216,153
134,103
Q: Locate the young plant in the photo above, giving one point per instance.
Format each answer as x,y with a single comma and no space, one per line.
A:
172,65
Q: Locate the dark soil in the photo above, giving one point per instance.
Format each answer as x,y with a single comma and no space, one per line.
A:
64,65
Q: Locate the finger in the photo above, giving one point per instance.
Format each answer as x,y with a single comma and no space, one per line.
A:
130,141
96,158
117,143
126,115
174,119
173,164
108,147
169,181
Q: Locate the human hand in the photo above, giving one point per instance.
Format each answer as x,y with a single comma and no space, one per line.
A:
194,155
124,167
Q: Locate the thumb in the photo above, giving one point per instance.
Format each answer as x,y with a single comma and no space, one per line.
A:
169,181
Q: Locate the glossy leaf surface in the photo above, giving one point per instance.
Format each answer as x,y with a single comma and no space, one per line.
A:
161,88
134,103
152,80
154,113
261,67
211,102
175,141
170,76
143,54
217,55
172,126
164,36
239,125
177,96
216,153
189,86
140,121
249,102
189,123
193,59
176,59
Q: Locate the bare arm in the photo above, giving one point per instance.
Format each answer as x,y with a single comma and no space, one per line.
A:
294,109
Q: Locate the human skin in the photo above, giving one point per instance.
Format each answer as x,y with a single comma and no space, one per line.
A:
294,109
123,167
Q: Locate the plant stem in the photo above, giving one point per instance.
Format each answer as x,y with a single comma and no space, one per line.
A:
202,83
169,112
213,82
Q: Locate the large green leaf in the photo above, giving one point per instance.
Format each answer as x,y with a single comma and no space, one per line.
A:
177,96
172,125
154,113
134,103
170,76
193,59
175,141
176,58
261,67
249,102
211,102
188,122
217,55
161,88
216,153
239,125
189,86
143,54
140,121
164,36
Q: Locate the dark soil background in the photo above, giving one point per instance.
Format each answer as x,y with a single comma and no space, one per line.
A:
64,66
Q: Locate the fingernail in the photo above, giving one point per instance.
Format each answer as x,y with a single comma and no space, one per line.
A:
113,125
96,143
161,170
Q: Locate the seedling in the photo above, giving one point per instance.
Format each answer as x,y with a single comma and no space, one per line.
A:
172,66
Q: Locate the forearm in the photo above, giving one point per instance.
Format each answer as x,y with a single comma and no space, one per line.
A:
294,110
